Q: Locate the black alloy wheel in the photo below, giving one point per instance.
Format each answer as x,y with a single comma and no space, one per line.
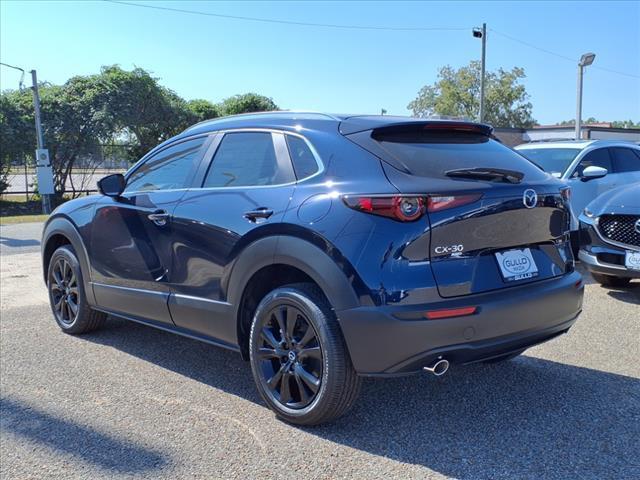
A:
67,296
63,285
290,357
299,358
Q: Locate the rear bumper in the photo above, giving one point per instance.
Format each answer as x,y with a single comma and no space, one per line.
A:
508,320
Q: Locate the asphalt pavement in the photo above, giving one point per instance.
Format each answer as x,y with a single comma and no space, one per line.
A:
129,401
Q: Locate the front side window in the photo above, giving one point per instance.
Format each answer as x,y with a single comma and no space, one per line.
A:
625,160
246,159
595,158
304,162
169,169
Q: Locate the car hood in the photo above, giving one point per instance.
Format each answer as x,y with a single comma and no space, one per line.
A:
619,200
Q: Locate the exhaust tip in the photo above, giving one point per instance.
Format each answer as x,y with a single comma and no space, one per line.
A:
439,368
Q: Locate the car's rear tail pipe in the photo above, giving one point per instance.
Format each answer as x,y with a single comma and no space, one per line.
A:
439,368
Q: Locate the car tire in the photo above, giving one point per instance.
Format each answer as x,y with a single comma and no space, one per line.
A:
610,281
504,358
299,358
67,296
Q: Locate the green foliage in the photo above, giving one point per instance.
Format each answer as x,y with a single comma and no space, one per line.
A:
247,103
614,124
457,93
201,110
115,107
17,135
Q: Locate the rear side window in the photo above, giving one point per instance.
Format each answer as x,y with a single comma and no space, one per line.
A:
304,162
246,159
169,169
595,158
431,154
625,160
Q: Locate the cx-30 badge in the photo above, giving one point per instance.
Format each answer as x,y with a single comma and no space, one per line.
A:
637,226
530,198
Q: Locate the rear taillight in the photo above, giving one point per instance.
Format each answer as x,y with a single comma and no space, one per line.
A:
401,208
407,208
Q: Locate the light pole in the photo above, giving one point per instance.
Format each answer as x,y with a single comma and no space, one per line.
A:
586,60
482,34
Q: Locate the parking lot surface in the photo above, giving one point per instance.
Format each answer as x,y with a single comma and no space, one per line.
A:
130,401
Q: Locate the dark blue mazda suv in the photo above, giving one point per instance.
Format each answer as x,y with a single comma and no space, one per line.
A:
324,248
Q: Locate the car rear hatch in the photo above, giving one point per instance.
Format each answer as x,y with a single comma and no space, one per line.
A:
496,220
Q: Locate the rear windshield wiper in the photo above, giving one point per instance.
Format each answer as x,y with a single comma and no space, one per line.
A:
492,174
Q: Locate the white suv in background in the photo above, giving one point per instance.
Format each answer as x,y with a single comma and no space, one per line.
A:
589,167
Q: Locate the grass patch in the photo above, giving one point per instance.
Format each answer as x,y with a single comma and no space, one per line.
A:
13,219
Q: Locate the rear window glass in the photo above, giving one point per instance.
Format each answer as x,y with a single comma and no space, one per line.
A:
428,154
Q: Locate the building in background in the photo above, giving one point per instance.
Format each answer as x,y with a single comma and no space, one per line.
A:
542,133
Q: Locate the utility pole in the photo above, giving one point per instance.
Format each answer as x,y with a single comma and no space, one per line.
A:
586,60
482,34
579,103
43,167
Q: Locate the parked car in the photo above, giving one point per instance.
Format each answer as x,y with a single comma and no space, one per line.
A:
324,248
610,236
589,167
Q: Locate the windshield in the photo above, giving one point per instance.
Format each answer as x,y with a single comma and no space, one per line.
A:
551,160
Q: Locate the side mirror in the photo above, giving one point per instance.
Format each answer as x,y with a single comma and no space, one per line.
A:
113,185
593,172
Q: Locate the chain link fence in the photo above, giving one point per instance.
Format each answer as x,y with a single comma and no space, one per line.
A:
83,178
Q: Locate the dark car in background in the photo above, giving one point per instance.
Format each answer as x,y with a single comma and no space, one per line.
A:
324,248
610,236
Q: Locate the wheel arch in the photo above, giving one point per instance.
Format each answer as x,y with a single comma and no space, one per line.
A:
61,231
276,261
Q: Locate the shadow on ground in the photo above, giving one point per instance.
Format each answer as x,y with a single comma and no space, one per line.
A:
96,448
629,294
527,418
17,243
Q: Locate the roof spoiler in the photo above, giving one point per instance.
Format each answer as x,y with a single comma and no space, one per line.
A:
383,124
435,126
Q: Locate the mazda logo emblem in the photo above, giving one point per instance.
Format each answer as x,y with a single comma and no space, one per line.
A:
637,226
530,198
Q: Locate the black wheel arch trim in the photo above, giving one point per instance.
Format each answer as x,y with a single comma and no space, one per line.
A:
61,225
297,253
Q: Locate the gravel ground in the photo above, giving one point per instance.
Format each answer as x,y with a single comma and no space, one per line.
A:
130,401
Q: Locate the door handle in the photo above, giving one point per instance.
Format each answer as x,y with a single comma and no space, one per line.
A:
159,218
259,214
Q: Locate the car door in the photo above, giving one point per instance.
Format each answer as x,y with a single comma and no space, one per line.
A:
626,166
130,248
244,194
584,191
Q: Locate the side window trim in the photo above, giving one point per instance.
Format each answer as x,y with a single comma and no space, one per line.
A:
190,177
282,157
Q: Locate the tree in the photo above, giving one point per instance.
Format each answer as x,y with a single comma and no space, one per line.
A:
16,141
201,110
74,122
614,124
247,103
457,93
144,111
116,107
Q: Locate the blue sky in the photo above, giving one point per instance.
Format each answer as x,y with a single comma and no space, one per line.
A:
335,70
